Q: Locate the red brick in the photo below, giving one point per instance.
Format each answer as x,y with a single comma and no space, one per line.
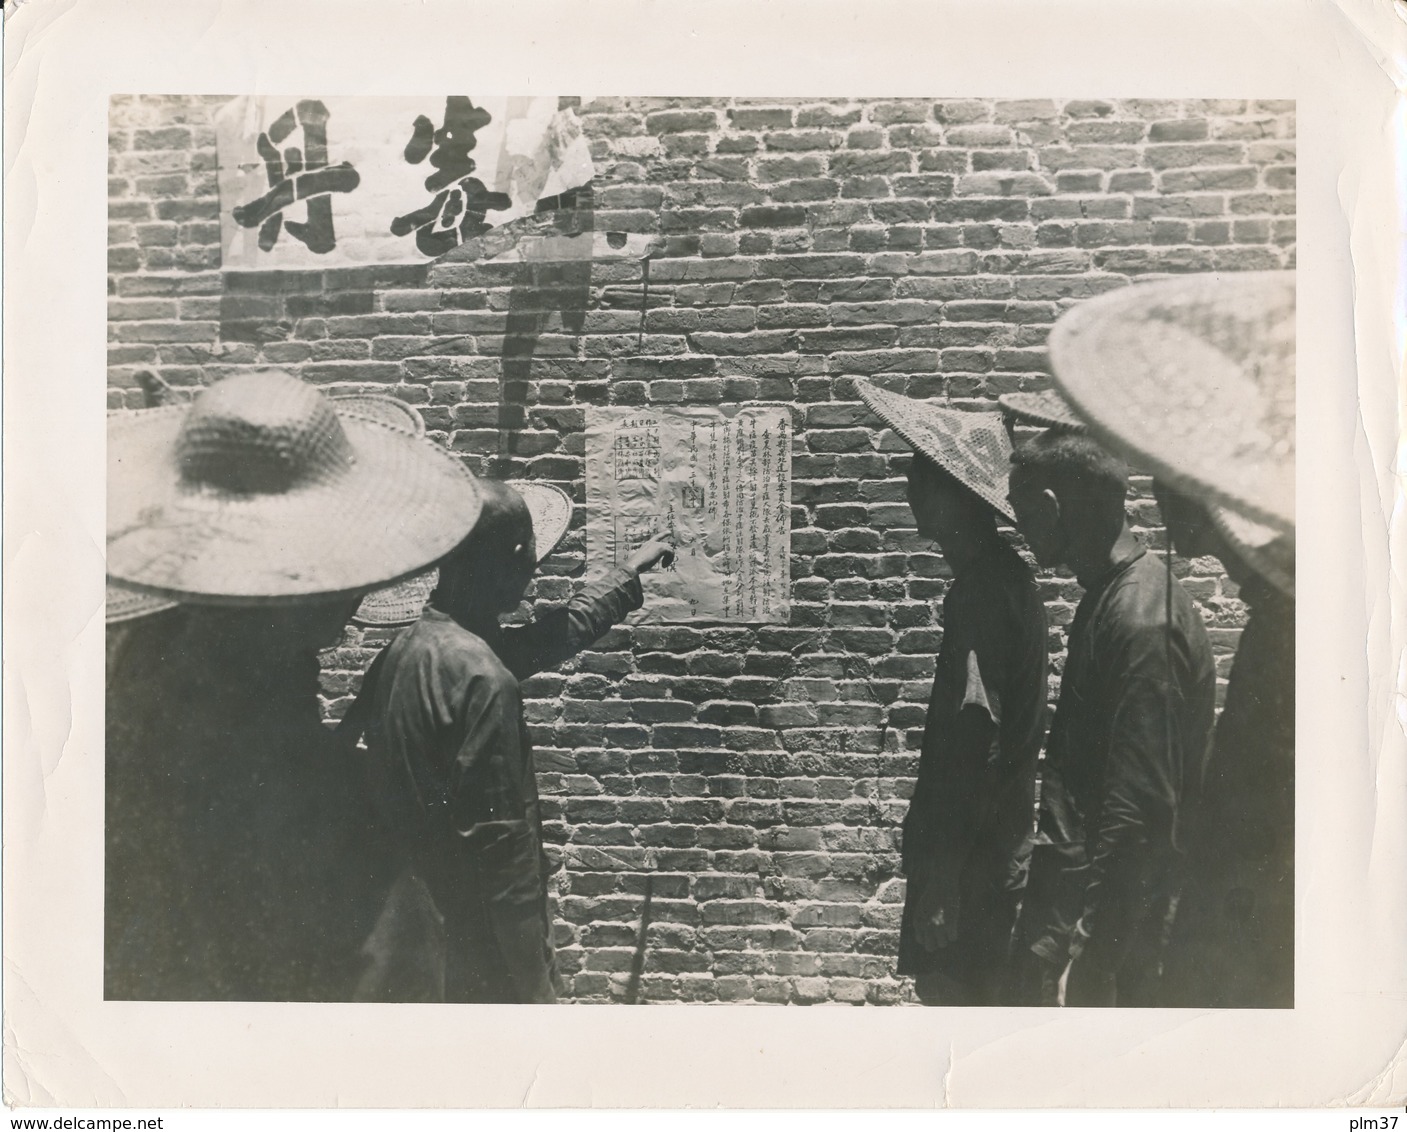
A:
1089,109
677,121
1208,179
827,116
801,141
962,110
761,119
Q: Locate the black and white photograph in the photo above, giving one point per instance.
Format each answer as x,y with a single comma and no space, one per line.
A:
807,486
787,552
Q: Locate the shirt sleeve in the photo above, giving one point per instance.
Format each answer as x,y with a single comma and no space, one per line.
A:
560,634
1139,797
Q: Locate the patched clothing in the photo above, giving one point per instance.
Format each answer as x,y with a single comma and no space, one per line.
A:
973,810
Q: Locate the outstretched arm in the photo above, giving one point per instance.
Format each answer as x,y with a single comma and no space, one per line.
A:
560,634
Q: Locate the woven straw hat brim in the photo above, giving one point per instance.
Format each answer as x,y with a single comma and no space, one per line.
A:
401,504
978,455
389,411
1192,379
1265,550
125,604
1045,408
402,603
551,510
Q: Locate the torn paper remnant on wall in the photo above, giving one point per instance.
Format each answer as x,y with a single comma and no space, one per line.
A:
717,485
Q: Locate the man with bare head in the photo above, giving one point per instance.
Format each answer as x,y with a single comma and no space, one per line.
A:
1128,743
1193,378
451,759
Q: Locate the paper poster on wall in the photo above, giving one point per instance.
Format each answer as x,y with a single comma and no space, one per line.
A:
717,484
310,183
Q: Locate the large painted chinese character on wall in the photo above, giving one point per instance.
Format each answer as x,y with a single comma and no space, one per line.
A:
338,182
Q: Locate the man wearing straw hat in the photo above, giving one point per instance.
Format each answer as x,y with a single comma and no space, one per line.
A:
1206,363
1233,944
243,861
967,831
136,619
1193,377
452,763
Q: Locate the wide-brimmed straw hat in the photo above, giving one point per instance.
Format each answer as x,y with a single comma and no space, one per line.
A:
402,603
1046,408
971,447
1194,379
1268,552
390,411
263,491
125,604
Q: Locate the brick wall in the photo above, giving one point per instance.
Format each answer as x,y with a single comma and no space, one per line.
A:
756,774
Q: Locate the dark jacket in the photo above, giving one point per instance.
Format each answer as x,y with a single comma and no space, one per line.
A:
1234,940
242,859
452,769
1127,749
973,809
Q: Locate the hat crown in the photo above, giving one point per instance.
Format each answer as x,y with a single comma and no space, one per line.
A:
261,433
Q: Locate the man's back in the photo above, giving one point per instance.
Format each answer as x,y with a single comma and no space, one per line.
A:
451,764
447,730
242,861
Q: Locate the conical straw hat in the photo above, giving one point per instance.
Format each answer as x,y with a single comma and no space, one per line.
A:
1045,408
1263,549
971,447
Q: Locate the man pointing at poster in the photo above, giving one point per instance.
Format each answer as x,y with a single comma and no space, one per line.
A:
452,765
